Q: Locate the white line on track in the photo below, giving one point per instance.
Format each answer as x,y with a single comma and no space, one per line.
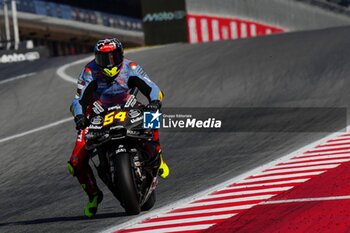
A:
61,72
276,177
312,163
221,195
332,148
321,167
332,144
265,190
326,152
242,185
178,229
314,159
339,139
17,78
213,210
231,200
189,220
333,198
36,129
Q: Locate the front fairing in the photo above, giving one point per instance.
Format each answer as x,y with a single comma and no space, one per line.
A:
114,117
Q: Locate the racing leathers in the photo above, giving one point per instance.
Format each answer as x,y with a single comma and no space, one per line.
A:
92,83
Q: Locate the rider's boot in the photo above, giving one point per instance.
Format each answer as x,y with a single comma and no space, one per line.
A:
91,207
87,181
163,167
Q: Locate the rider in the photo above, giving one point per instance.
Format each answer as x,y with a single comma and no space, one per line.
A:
108,74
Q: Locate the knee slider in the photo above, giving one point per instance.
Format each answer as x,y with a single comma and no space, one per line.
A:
71,168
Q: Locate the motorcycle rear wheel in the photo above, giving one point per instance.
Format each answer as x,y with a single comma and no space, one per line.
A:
125,184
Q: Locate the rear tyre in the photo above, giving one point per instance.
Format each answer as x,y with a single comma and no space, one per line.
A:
150,202
126,185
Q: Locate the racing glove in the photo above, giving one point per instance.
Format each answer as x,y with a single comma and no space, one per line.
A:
153,106
80,122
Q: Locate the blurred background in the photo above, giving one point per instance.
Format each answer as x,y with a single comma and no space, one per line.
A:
69,27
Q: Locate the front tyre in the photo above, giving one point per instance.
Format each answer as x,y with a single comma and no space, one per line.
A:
150,202
125,184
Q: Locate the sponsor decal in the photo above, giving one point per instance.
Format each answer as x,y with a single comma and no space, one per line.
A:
108,47
120,150
132,132
102,85
143,74
116,127
136,119
164,16
18,57
80,86
134,113
116,107
81,82
97,108
97,120
80,135
95,127
130,102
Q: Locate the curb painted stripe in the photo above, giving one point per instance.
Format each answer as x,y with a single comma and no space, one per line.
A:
334,198
243,192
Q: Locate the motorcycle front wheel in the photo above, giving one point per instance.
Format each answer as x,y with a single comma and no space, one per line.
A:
150,202
125,184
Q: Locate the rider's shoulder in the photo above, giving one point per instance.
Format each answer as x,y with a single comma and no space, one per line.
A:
92,65
92,70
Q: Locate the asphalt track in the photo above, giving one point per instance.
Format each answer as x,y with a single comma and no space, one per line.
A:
37,194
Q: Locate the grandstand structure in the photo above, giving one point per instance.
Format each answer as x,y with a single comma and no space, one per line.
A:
68,27
71,27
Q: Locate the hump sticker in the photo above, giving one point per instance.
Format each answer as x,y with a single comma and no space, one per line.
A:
133,65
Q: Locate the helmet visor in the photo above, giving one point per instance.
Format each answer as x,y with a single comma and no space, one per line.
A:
109,59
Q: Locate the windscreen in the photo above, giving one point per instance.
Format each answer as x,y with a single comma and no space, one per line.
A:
111,100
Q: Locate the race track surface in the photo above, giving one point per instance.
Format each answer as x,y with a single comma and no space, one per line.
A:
37,194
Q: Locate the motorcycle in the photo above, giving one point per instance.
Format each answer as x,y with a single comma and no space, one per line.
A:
115,138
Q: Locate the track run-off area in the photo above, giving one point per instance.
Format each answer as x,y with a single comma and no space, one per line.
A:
266,182
304,187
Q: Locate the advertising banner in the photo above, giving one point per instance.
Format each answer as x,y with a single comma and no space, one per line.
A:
203,28
164,23
12,56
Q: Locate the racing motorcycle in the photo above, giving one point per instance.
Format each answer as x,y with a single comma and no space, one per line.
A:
115,138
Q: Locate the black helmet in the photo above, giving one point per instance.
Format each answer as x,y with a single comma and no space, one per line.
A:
109,56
